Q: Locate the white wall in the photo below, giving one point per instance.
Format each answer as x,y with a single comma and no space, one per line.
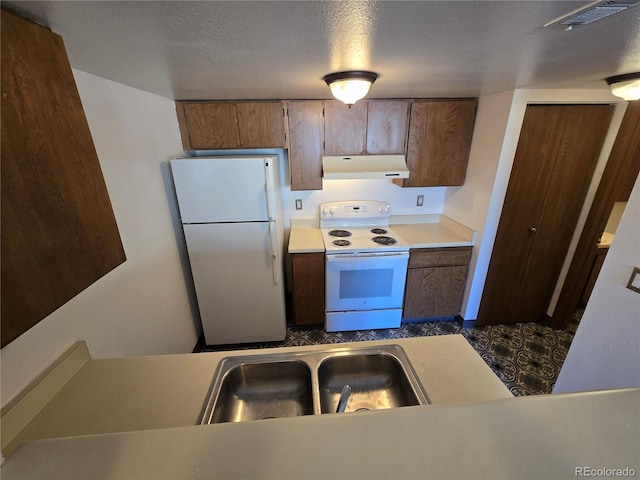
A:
605,352
478,203
403,200
475,204
142,307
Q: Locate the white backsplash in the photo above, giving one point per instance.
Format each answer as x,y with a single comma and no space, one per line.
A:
403,200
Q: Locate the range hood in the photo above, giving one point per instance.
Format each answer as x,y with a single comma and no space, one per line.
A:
364,167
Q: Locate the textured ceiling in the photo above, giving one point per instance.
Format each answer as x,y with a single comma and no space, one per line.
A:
269,49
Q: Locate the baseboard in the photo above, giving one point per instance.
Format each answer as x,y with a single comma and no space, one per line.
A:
467,323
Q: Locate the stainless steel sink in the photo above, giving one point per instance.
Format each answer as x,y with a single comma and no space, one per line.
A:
254,391
254,387
377,381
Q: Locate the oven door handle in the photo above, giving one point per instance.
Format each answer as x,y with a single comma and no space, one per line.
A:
346,257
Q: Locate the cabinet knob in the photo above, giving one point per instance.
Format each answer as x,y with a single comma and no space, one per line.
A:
532,229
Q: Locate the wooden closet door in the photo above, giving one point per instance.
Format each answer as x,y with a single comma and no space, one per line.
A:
555,159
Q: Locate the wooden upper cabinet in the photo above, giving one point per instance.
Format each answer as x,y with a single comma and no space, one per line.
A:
208,125
218,125
345,129
306,124
440,133
387,125
374,127
261,124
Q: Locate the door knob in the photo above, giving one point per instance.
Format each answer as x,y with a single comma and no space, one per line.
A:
532,229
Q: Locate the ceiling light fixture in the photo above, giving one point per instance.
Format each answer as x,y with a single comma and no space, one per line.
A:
625,86
351,86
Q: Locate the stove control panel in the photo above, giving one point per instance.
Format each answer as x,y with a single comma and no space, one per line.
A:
328,211
355,210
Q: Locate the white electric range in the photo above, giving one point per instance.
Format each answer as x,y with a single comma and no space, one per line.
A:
366,266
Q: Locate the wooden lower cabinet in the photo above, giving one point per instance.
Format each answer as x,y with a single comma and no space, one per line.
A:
307,271
436,279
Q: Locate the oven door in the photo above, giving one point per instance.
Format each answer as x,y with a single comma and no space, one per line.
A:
365,281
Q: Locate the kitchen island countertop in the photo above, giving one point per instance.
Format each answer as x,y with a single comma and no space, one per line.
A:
142,393
473,429
525,438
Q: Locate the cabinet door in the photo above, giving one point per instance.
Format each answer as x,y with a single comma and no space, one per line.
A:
345,129
439,257
308,275
439,140
261,124
387,126
208,125
434,291
305,144
59,233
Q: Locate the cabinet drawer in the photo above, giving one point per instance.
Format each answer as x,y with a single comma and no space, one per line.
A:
439,257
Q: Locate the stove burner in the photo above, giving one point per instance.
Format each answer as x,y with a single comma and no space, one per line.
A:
378,231
340,233
382,240
341,243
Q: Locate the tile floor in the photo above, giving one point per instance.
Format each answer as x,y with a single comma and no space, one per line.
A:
527,357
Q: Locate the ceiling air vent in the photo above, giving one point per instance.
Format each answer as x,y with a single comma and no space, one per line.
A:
591,13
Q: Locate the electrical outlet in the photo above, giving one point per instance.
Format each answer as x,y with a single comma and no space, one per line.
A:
420,201
298,204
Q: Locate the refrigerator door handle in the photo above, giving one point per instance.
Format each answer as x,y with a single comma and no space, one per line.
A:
271,201
273,250
273,233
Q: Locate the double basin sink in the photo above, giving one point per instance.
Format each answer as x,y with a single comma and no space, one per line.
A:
255,387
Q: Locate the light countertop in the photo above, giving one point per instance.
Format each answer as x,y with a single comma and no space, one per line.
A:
534,437
606,240
141,393
305,238
473,429
419,231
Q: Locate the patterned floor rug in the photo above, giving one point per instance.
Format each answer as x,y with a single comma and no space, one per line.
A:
527,357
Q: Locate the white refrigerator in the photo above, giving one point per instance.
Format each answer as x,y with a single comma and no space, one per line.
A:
230,213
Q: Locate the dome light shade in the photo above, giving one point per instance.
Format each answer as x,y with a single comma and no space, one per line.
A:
349,87
625,86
